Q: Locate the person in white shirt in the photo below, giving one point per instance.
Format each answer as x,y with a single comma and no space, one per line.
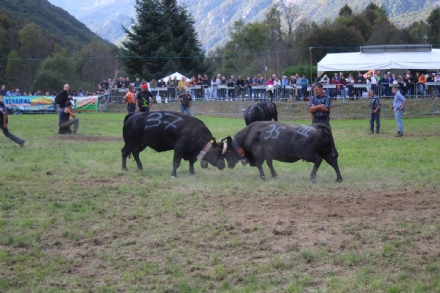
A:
325,79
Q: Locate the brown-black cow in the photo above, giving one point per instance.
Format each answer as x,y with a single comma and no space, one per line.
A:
268,141
264,111
163,131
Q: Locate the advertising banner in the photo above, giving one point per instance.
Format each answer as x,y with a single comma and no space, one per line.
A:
30,104
34,104
86,104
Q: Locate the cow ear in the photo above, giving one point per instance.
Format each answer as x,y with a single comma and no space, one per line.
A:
229,139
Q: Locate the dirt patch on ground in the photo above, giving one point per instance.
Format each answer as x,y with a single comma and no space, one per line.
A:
319,219
91,138
247,233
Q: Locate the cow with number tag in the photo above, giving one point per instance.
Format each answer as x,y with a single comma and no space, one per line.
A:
267,141
164,131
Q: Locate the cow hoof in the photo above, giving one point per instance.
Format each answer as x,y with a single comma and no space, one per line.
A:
173,177
339,180
263,177
124,169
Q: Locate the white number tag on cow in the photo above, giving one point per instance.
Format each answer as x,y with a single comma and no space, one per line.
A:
274,131
157,118
304,130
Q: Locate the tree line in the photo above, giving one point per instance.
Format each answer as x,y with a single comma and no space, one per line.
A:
285,46
163,40
35,57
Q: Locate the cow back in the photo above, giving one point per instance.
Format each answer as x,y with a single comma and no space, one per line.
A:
264,111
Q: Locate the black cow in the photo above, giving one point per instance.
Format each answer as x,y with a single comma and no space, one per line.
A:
268,141
163,131
264,111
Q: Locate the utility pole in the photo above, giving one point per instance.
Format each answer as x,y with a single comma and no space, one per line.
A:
310,50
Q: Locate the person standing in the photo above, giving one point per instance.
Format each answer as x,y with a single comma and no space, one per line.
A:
170,88
319,105
63,97
143,99
399,107
129,99
185,102
375,111
4,125
3,91
64,122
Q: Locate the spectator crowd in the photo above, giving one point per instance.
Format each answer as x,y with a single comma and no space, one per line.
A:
295,87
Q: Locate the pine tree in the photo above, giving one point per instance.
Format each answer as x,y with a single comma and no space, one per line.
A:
162,40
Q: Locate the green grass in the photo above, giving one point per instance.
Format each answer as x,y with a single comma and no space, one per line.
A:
72,221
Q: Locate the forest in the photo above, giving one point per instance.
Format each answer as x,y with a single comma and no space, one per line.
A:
282,46
43,47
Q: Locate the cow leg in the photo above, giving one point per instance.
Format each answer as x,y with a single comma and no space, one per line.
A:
334,163
272,170
318,162
176,163
126,150
124,159
191,166
259,164
136,158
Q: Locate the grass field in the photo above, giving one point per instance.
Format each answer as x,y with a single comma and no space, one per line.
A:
72,221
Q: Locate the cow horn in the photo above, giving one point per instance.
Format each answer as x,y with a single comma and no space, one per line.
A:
225,148
222,139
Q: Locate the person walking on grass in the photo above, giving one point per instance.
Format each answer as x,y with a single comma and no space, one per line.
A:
399,107
4,125
375,111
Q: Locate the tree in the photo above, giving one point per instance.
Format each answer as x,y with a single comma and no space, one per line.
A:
35,46
434,26
346,11
386,33
161,41
289,14
14,68
4,44
331,39
374,14
92,69
419,31
56,71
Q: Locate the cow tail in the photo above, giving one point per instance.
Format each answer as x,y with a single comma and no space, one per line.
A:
275,115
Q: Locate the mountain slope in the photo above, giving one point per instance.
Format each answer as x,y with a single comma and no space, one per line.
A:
212,18
55,20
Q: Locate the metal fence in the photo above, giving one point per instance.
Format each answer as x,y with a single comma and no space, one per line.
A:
289,110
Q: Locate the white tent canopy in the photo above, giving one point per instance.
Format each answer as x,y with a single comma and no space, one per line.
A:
176,74
380,61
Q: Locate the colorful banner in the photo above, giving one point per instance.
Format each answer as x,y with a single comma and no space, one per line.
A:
86,104
33,103
47,103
